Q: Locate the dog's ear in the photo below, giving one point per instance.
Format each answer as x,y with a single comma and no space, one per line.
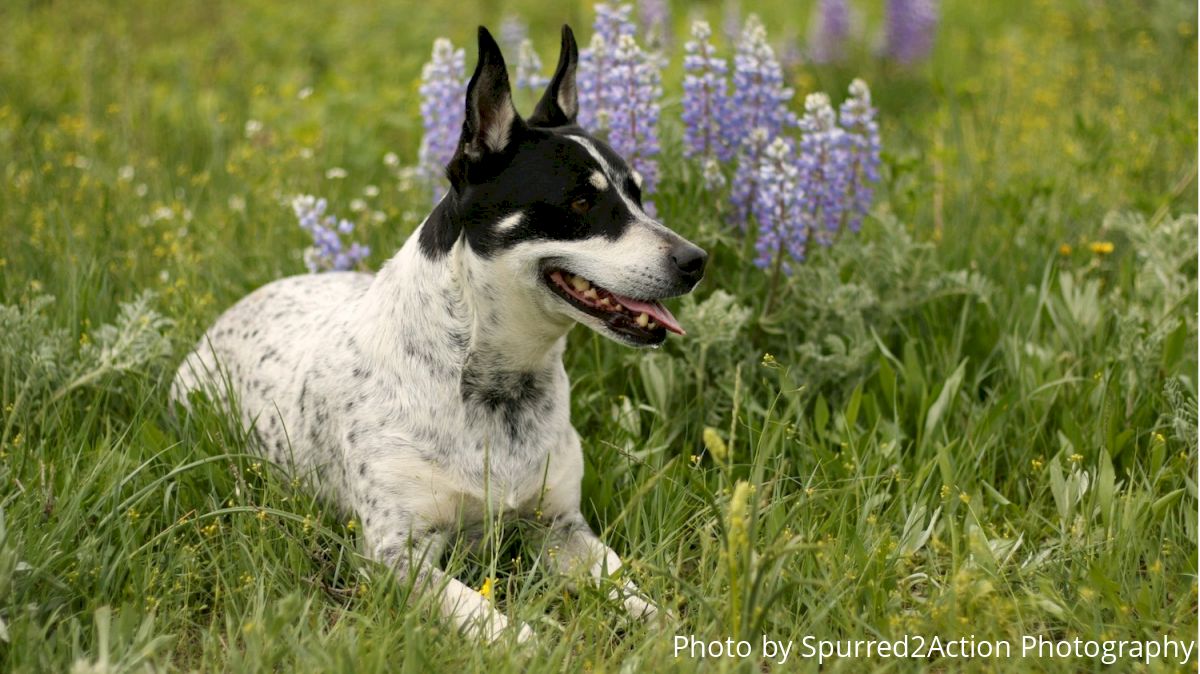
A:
491,116
560,103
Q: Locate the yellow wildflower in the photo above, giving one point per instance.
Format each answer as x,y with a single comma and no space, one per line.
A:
1101,247
715,444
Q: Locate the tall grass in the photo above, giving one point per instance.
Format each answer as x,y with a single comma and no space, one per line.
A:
977,418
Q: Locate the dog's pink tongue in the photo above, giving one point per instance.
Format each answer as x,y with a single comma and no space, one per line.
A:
654,310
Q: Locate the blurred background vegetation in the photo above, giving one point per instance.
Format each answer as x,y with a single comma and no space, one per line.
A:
976,418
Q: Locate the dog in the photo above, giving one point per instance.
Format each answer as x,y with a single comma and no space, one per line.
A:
421,397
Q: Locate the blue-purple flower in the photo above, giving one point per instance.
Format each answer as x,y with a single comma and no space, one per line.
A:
327,252
759,97
655,19
706,103
830,30
529,68
598,94
620,87
777,205
857,117
513,31
443,90
759,103
824,169
744,189
636,86
911,26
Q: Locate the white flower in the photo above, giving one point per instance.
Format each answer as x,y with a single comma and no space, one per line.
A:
391,159
378,216
125,173
304,93
371,191
141,190
358,205
306,153
253,127
163,213
81,162
237,203
336,173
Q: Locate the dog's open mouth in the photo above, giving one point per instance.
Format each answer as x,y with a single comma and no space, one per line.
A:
642,321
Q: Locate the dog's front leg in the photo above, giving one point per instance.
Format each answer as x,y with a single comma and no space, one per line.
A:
415,556
573,549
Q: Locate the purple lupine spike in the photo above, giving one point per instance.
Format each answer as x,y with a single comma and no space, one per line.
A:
731,20
327,252
857,117
655,19
597,93
513,31
830,30
636,87
443,89
705,97
529,68
743,190
824,168
777,207
759,97
911,26
759,102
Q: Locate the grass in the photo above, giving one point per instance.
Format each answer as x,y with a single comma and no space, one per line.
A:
977,418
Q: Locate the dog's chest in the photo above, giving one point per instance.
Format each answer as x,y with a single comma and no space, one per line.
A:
483,436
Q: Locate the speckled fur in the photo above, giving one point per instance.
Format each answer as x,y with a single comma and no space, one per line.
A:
415,396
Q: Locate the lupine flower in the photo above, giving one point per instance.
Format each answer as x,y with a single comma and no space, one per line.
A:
705,97
824,169
831,28
513,31
655,19
759,102
635,88
597,95
862,133
744,189
911,25
529,68
777,206
714,177
759,97
731,20
327,252
443,89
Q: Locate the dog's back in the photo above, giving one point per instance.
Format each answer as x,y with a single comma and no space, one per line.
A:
256,349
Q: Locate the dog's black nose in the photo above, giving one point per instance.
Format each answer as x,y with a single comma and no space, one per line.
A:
689,260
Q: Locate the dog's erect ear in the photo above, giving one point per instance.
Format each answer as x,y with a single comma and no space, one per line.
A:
491,117
560,103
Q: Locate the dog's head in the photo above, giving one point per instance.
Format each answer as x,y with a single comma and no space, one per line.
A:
556,214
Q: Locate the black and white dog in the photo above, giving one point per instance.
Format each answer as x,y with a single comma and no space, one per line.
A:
425,395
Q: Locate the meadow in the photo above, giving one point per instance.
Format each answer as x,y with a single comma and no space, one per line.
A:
975,418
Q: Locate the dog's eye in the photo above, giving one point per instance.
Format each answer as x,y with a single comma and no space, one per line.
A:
581,205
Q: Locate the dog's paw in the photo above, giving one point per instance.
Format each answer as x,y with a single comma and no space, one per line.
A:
645,610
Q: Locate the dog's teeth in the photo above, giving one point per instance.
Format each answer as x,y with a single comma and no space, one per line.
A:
590,293
580,284
643,320
652,325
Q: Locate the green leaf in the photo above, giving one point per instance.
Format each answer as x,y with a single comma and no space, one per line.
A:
945,399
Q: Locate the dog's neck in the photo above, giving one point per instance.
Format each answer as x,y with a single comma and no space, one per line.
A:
455,311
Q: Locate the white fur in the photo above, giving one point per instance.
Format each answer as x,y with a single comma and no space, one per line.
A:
510,222
359,382
598,181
